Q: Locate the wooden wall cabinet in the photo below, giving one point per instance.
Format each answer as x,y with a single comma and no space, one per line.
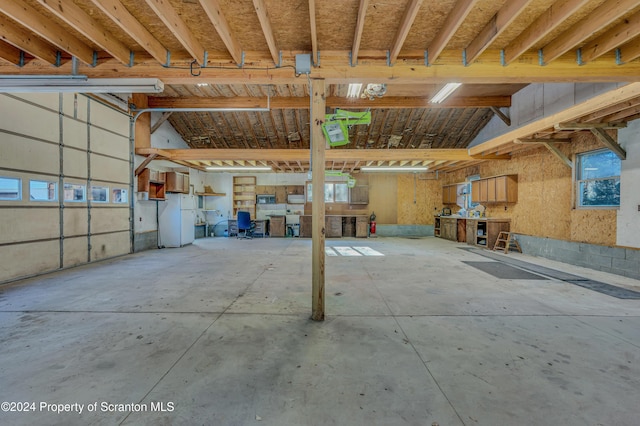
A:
244,195
359,195
153,182
177,182
497,189
450,194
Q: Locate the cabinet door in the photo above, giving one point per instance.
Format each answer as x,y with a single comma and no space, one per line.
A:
359,195
185,184
446,197
483,191
281,194
491,190
475,191
472,228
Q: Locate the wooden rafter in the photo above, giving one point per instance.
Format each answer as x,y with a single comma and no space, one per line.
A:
613,38
410,14
387,102
602,16
547,22
314,32
214,12
588,126
178,28
504,117
357,38
495,27
10,53
132,27
21,38
540,140
47,29
629,52
454,20
73,15
265,22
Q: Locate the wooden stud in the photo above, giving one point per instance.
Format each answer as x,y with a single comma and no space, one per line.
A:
410,14
314,32
317,210
540,140
132,27
605,14
454,20
47,29
500,21
165,116
214,12
10,53
73,15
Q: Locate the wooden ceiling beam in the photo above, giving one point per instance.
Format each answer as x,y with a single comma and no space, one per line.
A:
23,40
540,140
500,21
73,15
589,106
454,20
265,22
10,53
487,71
314,32
409,17
546,23
303,154
299,102
616,36
178,28
44,27
602,16
133,28
357,38
214,12
588,126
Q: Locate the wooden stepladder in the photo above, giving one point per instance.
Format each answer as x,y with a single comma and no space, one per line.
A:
509,242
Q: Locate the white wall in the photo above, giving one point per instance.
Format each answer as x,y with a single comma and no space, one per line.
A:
628,229
537,101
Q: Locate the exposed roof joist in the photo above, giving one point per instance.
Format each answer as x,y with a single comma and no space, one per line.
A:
454,20
357,38
21,38
73,15
214,12
265,22
410,14
608,41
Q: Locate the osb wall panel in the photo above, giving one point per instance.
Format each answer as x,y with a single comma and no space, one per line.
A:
546,195
419,199
383,198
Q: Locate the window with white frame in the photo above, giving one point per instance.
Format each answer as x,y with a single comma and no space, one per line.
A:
10,188
598,179
74,192
334,192
42,190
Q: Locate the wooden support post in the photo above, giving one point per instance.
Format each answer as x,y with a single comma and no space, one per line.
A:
317,209
555,151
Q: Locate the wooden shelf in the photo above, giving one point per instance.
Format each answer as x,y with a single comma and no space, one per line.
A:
211,194
244,195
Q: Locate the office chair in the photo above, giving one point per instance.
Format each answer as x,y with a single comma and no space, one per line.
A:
245,224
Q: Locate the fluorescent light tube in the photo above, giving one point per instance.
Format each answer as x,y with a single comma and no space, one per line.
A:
240,169
354,90
78,84
394,169
444,93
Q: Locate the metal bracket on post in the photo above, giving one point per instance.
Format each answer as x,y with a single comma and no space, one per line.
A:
58,58
279,64
95,59
351,59
502,60
579,57
241,65
389,59
464,57
618,57
74,65
206,59
131,58
541,58
168,59
426,58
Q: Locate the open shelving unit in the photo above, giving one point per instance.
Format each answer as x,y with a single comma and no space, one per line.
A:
244,195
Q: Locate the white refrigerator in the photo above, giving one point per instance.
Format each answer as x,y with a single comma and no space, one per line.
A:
176,217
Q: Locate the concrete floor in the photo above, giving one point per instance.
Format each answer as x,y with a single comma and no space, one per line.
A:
218,332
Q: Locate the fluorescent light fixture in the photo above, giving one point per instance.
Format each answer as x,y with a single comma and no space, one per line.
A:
239,169
78,84
394,169
444,93
354,90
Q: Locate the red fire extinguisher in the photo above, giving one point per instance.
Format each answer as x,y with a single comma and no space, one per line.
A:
372,225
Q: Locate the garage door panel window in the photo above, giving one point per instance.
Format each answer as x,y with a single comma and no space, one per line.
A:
598,179
41,190
10,189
